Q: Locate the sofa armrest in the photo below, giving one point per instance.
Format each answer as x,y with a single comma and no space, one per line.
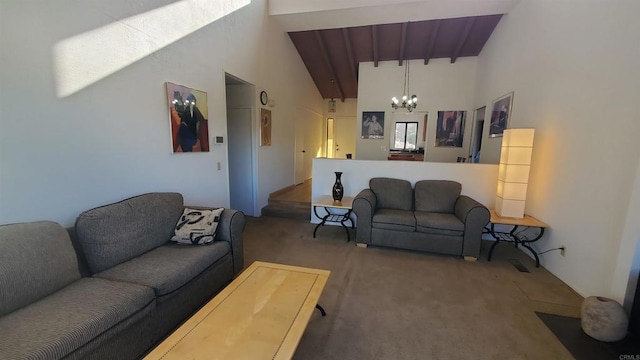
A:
364,205
475,216
230,229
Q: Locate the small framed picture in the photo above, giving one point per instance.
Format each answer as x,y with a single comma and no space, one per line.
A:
500,114
265,127
373,124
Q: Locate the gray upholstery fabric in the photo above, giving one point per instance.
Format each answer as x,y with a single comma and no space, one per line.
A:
168,267
112,234
442,244
437,195
64,321
230,229
134,341
401,220
437,223
445,221
36,260
475,216
364,204
392,193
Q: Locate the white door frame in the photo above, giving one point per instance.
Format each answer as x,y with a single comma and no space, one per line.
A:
254,134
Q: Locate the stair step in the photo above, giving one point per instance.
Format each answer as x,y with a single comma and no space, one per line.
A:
287,212
289,202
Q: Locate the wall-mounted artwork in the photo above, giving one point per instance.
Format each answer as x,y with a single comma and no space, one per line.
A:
373,124
450,128
500,114
188,116
265,127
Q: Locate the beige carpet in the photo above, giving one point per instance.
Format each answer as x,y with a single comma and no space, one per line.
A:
392,304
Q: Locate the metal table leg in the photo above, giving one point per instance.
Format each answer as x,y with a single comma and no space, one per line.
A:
493,234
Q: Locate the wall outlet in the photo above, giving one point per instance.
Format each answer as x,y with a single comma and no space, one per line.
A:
562,250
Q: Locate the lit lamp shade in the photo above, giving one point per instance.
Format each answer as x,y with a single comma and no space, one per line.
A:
513,173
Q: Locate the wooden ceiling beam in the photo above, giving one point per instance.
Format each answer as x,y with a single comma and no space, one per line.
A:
432,41
403,43
374,37
463,38
352,62
325,56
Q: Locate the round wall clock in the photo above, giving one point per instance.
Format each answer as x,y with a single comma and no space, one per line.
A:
263,97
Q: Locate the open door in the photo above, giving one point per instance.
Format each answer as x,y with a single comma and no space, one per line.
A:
241,152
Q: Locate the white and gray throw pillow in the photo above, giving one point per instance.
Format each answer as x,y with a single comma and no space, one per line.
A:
196,226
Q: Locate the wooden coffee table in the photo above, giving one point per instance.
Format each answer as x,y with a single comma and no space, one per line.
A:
262,314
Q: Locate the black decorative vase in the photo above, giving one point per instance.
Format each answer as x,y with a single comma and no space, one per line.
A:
338,190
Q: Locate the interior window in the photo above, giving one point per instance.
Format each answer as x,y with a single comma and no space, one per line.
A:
406,136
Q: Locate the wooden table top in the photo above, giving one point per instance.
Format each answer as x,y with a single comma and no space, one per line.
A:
262,314
525,221
327,201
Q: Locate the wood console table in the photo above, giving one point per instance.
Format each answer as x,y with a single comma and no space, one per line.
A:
514,235
406,156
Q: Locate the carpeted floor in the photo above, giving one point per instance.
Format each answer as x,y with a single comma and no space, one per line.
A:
394,304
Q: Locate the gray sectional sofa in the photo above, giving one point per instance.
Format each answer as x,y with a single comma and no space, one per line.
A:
117,288
432,217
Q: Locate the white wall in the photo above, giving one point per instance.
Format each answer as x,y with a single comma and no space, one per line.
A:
111,140
478,180
573,69
439,85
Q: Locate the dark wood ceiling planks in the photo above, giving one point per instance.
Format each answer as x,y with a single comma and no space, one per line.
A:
332,55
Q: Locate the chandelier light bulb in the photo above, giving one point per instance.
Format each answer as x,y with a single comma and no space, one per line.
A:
404,98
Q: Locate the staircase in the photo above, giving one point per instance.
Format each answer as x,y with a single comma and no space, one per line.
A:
291,202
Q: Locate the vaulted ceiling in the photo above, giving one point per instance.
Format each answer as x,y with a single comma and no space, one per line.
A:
332,55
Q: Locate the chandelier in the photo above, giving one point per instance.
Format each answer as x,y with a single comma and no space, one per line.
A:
407,103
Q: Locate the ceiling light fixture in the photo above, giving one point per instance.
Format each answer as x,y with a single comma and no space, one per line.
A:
407,103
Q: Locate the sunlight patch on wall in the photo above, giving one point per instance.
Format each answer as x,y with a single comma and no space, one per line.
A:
84,59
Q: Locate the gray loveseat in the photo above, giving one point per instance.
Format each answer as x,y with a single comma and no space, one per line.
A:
114,291
434,217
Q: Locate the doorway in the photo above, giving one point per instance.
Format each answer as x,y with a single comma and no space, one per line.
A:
308,143
341,137
240,97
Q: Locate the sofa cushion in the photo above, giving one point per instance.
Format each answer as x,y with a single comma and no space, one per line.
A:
115,233
197,226
392,193
402,220
438,196
36,260
438,223
64,321
168,267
